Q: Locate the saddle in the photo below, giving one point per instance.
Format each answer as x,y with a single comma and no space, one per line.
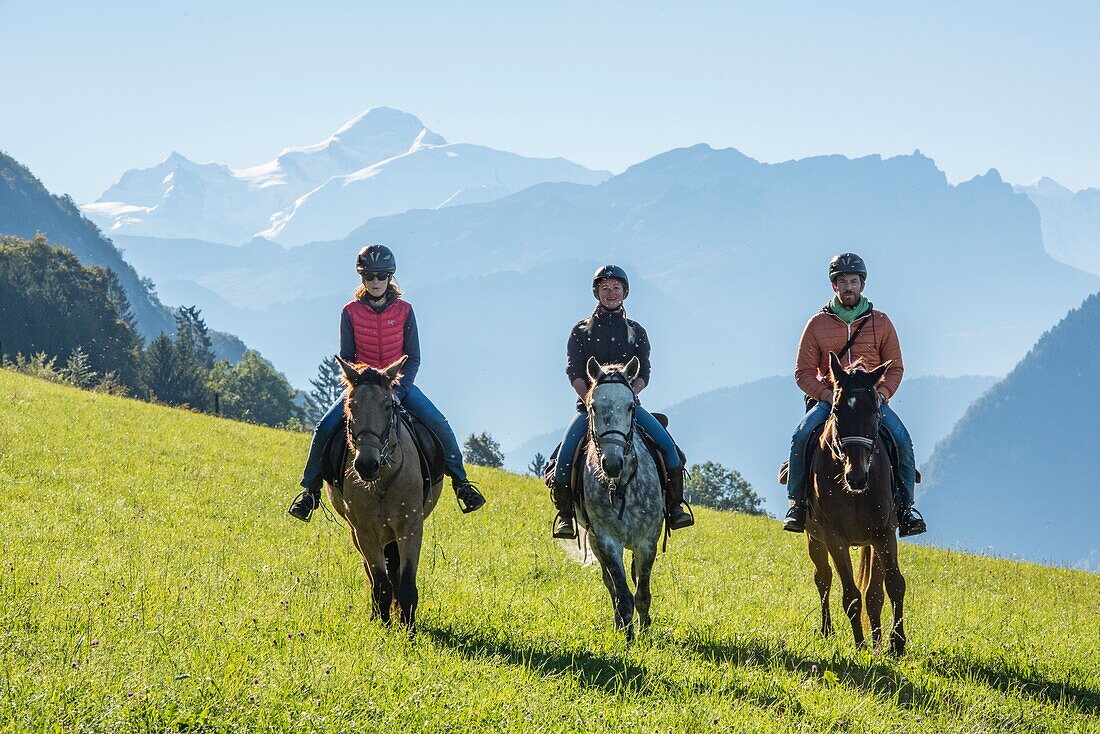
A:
429,451
577,473
814,445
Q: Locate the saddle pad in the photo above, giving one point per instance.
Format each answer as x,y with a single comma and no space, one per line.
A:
335,456
428,448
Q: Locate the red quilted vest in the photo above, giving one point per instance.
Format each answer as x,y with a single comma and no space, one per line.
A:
379,337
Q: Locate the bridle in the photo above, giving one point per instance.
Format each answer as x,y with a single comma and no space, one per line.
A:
839,443
386,447
612,435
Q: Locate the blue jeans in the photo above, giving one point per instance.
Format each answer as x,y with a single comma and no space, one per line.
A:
576,430
416,403
907,461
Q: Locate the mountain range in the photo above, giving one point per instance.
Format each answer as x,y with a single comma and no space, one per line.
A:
382,162
1070,222
727,257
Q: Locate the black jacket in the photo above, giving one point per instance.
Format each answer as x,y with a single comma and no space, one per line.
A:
611,338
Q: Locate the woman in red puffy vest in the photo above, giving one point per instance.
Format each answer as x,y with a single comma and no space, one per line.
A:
378,328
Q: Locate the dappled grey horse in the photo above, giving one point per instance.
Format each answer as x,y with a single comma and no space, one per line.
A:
620,503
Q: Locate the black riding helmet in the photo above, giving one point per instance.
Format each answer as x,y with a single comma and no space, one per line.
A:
847,264
375,259
610,271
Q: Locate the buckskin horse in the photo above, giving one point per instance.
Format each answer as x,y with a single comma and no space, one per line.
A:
382,497
852,504
621,503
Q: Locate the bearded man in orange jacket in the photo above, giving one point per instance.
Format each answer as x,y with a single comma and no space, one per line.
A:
849,318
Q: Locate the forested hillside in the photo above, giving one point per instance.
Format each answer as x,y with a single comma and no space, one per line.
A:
1019,473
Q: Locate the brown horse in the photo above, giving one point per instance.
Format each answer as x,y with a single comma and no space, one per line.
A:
382,497
852,504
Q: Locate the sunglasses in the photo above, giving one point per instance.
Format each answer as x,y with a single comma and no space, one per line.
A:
376,276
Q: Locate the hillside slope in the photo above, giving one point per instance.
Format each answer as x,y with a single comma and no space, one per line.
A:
151,581
1018,474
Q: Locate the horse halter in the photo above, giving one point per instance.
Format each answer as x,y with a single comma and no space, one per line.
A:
385,448
839,443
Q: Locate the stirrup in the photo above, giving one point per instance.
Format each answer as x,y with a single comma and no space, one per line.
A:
795,520
468,502
569,532
687,518
297,510
916,527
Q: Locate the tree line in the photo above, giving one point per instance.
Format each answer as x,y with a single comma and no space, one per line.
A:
68,322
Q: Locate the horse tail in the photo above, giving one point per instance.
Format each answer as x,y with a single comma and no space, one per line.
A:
863,577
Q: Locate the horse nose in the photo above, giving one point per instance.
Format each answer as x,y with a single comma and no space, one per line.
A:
857,480
367,468
612,467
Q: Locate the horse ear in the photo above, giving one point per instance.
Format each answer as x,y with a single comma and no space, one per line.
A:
633,367
879,372
394,370
594,369
351,375
836,369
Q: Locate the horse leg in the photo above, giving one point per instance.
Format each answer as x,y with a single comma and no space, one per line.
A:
407,594
895,589
641,568
393,571
870,583
381,591
610,557
852,600
374,563
823,578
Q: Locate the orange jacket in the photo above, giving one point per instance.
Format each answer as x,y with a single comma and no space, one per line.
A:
825,332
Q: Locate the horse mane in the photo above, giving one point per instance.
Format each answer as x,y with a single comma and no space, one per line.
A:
828,438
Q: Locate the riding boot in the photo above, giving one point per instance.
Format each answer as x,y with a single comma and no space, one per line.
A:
468,496
795,521
910,522
565,523
678,516
304,504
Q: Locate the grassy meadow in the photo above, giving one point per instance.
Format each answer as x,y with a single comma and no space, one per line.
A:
150,580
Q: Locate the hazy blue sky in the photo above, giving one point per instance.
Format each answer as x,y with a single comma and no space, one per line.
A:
88,90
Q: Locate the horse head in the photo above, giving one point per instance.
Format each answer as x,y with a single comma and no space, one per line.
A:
611,405
854,422
371,411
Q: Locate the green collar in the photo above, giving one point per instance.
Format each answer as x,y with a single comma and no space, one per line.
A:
848,315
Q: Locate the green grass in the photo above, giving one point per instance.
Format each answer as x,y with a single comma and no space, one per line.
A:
151,581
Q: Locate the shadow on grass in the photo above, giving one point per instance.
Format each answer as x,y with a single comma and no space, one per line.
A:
872,677
884,679
611,674
1008,680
